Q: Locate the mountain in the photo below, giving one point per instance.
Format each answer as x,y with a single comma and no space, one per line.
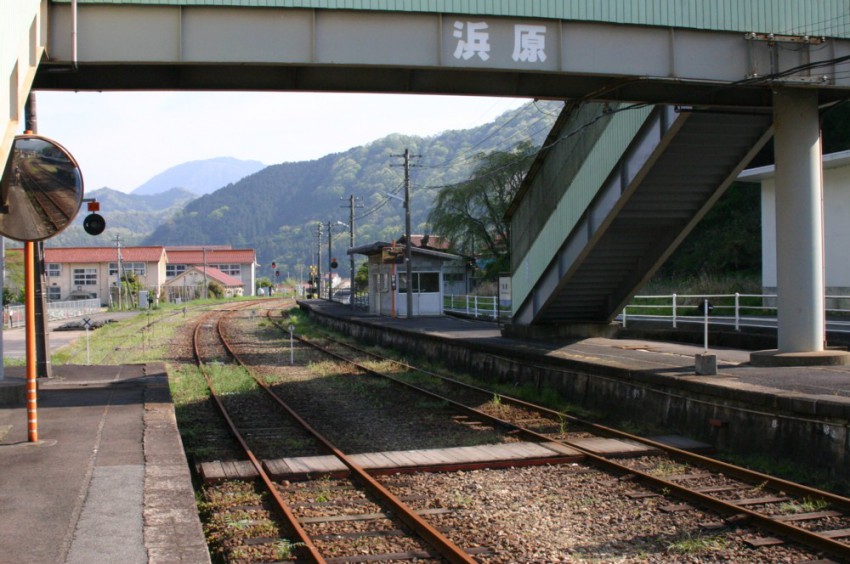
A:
129,216
200,177
277,210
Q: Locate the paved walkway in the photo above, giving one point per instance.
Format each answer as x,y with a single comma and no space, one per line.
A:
108,479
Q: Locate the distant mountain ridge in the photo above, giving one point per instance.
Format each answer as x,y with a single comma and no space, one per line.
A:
200,177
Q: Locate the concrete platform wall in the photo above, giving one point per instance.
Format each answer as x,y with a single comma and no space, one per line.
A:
783,427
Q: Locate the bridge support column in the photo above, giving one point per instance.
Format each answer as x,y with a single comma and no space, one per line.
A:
799,234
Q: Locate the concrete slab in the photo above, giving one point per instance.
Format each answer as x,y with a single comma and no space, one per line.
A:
773,358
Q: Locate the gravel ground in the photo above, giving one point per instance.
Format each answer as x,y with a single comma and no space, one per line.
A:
574,514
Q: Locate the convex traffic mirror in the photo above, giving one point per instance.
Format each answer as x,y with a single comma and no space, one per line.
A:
41,189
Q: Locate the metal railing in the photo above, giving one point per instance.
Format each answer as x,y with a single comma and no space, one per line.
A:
752,310
480,307
14,316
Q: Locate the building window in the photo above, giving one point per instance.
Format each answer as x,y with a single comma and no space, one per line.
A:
172,270
53,270
54,293
85,277
137,268
231,269
423,283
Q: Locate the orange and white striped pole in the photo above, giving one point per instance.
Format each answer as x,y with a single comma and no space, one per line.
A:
29,308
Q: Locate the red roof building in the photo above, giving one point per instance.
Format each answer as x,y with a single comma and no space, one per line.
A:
93,272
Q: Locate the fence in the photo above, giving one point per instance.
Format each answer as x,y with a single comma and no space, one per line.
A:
14,316
486,307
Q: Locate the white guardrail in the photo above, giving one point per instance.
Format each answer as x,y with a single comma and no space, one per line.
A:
13,316
752,310
486,307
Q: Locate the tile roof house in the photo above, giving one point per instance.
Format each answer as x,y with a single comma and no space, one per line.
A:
191,284
238,263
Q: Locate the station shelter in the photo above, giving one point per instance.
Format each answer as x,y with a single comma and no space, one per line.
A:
434,272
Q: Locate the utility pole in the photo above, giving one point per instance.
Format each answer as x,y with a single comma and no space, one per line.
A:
352,203
42,339
330,255
407,243
319,259
118,266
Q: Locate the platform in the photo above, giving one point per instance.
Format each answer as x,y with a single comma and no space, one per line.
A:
108,479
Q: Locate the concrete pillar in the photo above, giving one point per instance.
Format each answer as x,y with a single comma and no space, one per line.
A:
799,221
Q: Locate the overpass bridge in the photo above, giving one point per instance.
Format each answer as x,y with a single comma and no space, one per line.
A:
629,193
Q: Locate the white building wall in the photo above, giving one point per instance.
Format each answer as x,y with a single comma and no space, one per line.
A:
836,189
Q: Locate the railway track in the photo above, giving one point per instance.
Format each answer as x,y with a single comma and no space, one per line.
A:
55,206
365,522
782,510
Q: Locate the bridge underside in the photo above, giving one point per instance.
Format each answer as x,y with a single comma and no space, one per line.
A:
355,79
670,175
205,47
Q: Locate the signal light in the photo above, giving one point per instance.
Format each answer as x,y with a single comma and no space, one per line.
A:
94,224
334,263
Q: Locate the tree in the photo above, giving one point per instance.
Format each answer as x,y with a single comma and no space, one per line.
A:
215,290
472,214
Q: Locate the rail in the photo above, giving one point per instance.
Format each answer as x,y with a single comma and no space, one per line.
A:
13,316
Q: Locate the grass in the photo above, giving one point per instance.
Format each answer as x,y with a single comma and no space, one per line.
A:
808,505
697,545
789,470
142,338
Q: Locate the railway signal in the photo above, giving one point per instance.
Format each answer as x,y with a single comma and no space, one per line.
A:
94,224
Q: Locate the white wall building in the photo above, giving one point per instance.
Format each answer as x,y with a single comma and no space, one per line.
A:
836,197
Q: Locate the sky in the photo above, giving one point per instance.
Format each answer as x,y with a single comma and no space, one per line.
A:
122,139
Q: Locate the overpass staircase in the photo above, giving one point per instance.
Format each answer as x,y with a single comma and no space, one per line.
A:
656,186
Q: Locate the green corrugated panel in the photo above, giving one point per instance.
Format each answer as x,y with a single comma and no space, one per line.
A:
815,17
589,179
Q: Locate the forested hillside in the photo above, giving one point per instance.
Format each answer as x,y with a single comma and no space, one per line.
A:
276,210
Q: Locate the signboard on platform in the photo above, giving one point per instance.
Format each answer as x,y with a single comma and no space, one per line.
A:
392,255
